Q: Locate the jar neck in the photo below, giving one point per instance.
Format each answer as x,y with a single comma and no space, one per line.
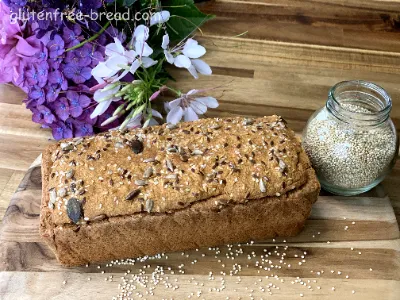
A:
359,103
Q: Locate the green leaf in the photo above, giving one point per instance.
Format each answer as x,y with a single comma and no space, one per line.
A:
129,2
185,18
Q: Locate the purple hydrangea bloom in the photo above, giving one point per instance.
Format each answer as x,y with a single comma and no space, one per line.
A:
61,107
77,103
56,77
52,92
46,113
83,129
71,35
38,94
61,130
56,46
96,57
43,53
80,57
76,73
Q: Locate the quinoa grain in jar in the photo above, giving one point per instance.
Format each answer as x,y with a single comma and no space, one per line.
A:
352,142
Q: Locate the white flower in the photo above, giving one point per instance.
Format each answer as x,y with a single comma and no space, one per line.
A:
159,17
188,107
104,97
120,61
187,56
136,121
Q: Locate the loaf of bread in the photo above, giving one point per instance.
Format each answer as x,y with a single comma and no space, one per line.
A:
168,188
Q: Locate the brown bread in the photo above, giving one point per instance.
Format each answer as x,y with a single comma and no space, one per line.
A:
163,189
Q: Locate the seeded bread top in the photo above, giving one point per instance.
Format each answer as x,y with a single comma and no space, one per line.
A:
166,168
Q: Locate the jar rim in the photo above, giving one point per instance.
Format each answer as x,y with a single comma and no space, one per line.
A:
377,96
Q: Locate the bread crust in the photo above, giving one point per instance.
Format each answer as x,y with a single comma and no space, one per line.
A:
236,211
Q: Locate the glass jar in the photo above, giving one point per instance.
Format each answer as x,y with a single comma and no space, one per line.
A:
352,142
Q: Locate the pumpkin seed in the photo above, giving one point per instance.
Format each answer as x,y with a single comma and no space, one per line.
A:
140,182
149,205
53,195
263,188
132,194
137,146
62,192
74,210
148,173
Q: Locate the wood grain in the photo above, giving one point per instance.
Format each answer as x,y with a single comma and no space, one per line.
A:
346,244
292,53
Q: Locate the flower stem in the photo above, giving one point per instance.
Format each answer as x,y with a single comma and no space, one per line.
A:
91,38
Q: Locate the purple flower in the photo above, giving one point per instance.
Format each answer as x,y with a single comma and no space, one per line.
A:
83,129
56,46
61,130
80,57
55,63
43,53
96,57
85,116
61,106
77,74
52,92
56,77
77,103
48,116
38,94
70,35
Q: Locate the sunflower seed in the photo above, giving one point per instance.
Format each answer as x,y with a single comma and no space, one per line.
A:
216,126
169,165
149,205
62,192
172,150
70,174
51,205
132,194
282,165
53,195
263,188
78,141
74,210
151,159
171,176
140,182
99,217
197,152
119,145
149,171
67,146
137,146
171,126
248,121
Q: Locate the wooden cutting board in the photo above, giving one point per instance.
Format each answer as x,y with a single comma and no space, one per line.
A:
348,250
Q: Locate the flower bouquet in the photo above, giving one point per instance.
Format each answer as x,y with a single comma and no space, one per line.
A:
92,65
